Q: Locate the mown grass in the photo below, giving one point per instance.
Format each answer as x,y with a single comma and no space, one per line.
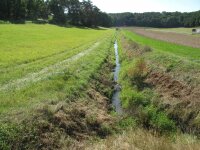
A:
68,86
64,85
179,50
34,48
30,48
25,43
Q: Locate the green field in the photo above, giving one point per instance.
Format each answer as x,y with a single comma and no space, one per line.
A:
56,86
35,59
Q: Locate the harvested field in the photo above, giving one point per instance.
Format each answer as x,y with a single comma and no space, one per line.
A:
187,40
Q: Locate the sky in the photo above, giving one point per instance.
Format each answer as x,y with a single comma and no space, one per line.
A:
117,6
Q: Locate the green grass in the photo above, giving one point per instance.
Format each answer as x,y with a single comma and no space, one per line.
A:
138,99
62,86
36,69
25,43
29,48
181,62
178,50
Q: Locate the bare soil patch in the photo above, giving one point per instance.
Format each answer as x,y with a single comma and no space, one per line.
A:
182,39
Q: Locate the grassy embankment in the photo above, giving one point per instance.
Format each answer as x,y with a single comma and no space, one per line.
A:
181,61
147,123
46,66
179,68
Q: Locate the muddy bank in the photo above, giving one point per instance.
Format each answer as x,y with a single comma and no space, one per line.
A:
182,39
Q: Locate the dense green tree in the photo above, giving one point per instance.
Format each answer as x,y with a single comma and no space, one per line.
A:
157,19
58,11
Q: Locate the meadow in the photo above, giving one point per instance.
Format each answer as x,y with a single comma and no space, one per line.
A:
34,58
56,86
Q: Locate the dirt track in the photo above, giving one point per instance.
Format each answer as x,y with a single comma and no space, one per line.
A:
187,40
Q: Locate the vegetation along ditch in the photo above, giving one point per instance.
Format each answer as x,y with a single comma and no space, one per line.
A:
75,77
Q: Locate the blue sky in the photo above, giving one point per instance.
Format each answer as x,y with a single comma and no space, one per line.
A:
111,6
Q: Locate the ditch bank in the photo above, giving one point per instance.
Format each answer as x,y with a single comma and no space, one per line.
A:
167,102
57,125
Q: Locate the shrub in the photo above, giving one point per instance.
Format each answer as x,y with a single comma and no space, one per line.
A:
8,135
147,49
169,67
131,98
158,120
129,54
138,72
163,123
127,122
138,99
40,21
4,22
105,130
133,45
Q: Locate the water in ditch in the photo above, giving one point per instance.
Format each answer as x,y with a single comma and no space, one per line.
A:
116,95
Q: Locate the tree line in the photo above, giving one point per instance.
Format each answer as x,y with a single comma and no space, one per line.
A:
84,13
72,12
157,19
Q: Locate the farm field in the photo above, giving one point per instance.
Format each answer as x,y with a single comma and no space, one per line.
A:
187,31
180,50
82,75
63,96
33,56
173,37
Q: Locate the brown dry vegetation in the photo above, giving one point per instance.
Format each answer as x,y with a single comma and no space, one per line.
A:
67,125
182,39
179,98
167,87
139,139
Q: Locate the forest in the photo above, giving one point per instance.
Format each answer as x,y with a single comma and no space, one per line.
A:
84,13
63,12
157,19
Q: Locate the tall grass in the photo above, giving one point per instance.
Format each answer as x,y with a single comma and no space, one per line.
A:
137,98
